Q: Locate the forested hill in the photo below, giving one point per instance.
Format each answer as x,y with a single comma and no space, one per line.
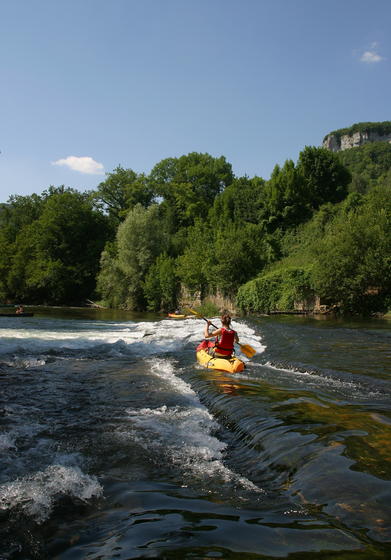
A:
320,225
367,164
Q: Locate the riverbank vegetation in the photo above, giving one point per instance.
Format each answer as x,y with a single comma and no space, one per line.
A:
318,226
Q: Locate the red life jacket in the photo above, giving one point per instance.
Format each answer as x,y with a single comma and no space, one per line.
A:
226,345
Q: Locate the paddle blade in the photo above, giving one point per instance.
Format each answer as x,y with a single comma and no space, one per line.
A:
247,350
194,312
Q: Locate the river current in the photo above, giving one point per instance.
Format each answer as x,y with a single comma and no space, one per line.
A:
115,443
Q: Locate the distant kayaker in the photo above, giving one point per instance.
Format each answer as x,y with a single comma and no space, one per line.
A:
225,338
20,310
177,312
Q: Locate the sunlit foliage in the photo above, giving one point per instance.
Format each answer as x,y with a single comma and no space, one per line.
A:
137,240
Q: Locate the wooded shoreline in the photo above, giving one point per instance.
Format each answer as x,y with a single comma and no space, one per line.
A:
320,226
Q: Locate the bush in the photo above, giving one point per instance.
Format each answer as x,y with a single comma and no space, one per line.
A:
276,290
353,260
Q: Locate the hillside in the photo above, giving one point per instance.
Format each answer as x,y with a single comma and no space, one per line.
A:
368,164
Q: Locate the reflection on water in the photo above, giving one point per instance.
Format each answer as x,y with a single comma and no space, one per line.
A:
115,443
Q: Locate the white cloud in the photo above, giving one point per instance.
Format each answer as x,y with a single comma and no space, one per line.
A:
82,164
371,56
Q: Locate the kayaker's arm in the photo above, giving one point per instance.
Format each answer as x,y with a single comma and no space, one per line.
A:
211,335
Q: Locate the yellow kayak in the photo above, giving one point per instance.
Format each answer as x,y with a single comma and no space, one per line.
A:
173,316
231,365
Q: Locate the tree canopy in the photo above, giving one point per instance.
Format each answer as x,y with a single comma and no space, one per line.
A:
121,191
288,197
368,164
137,238
139,242
189,186
343,254
326,177
51,246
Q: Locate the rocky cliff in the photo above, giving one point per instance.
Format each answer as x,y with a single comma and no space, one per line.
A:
336,143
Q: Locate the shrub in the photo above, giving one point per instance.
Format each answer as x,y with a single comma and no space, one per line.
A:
276,290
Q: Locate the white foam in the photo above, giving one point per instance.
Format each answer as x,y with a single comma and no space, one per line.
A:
6,443
311,378
36,493
164,369
184,437
24,363
29,346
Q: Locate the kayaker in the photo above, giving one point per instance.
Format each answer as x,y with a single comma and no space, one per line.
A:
225,338
20,310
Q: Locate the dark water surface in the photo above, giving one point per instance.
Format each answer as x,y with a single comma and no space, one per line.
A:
115,443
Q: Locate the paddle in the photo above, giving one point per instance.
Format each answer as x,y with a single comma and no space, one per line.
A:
245,348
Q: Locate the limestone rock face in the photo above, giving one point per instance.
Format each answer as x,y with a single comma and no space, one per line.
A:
333,144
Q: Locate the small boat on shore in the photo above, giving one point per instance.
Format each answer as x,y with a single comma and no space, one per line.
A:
230,365
16,314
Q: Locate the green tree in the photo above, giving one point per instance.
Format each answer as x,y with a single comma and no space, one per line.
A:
287,198
139,241
52,245
161,284
327,179
192,264
188,186
221,259
69,238
121,191
367,164
360,183
354,257
241,202
112,282
385,180
237,255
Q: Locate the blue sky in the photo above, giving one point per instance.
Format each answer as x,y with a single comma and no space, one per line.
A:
87,85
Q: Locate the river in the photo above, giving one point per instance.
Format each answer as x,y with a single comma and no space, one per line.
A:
115,443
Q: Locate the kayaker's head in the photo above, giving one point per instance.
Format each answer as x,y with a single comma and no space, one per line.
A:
226,320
